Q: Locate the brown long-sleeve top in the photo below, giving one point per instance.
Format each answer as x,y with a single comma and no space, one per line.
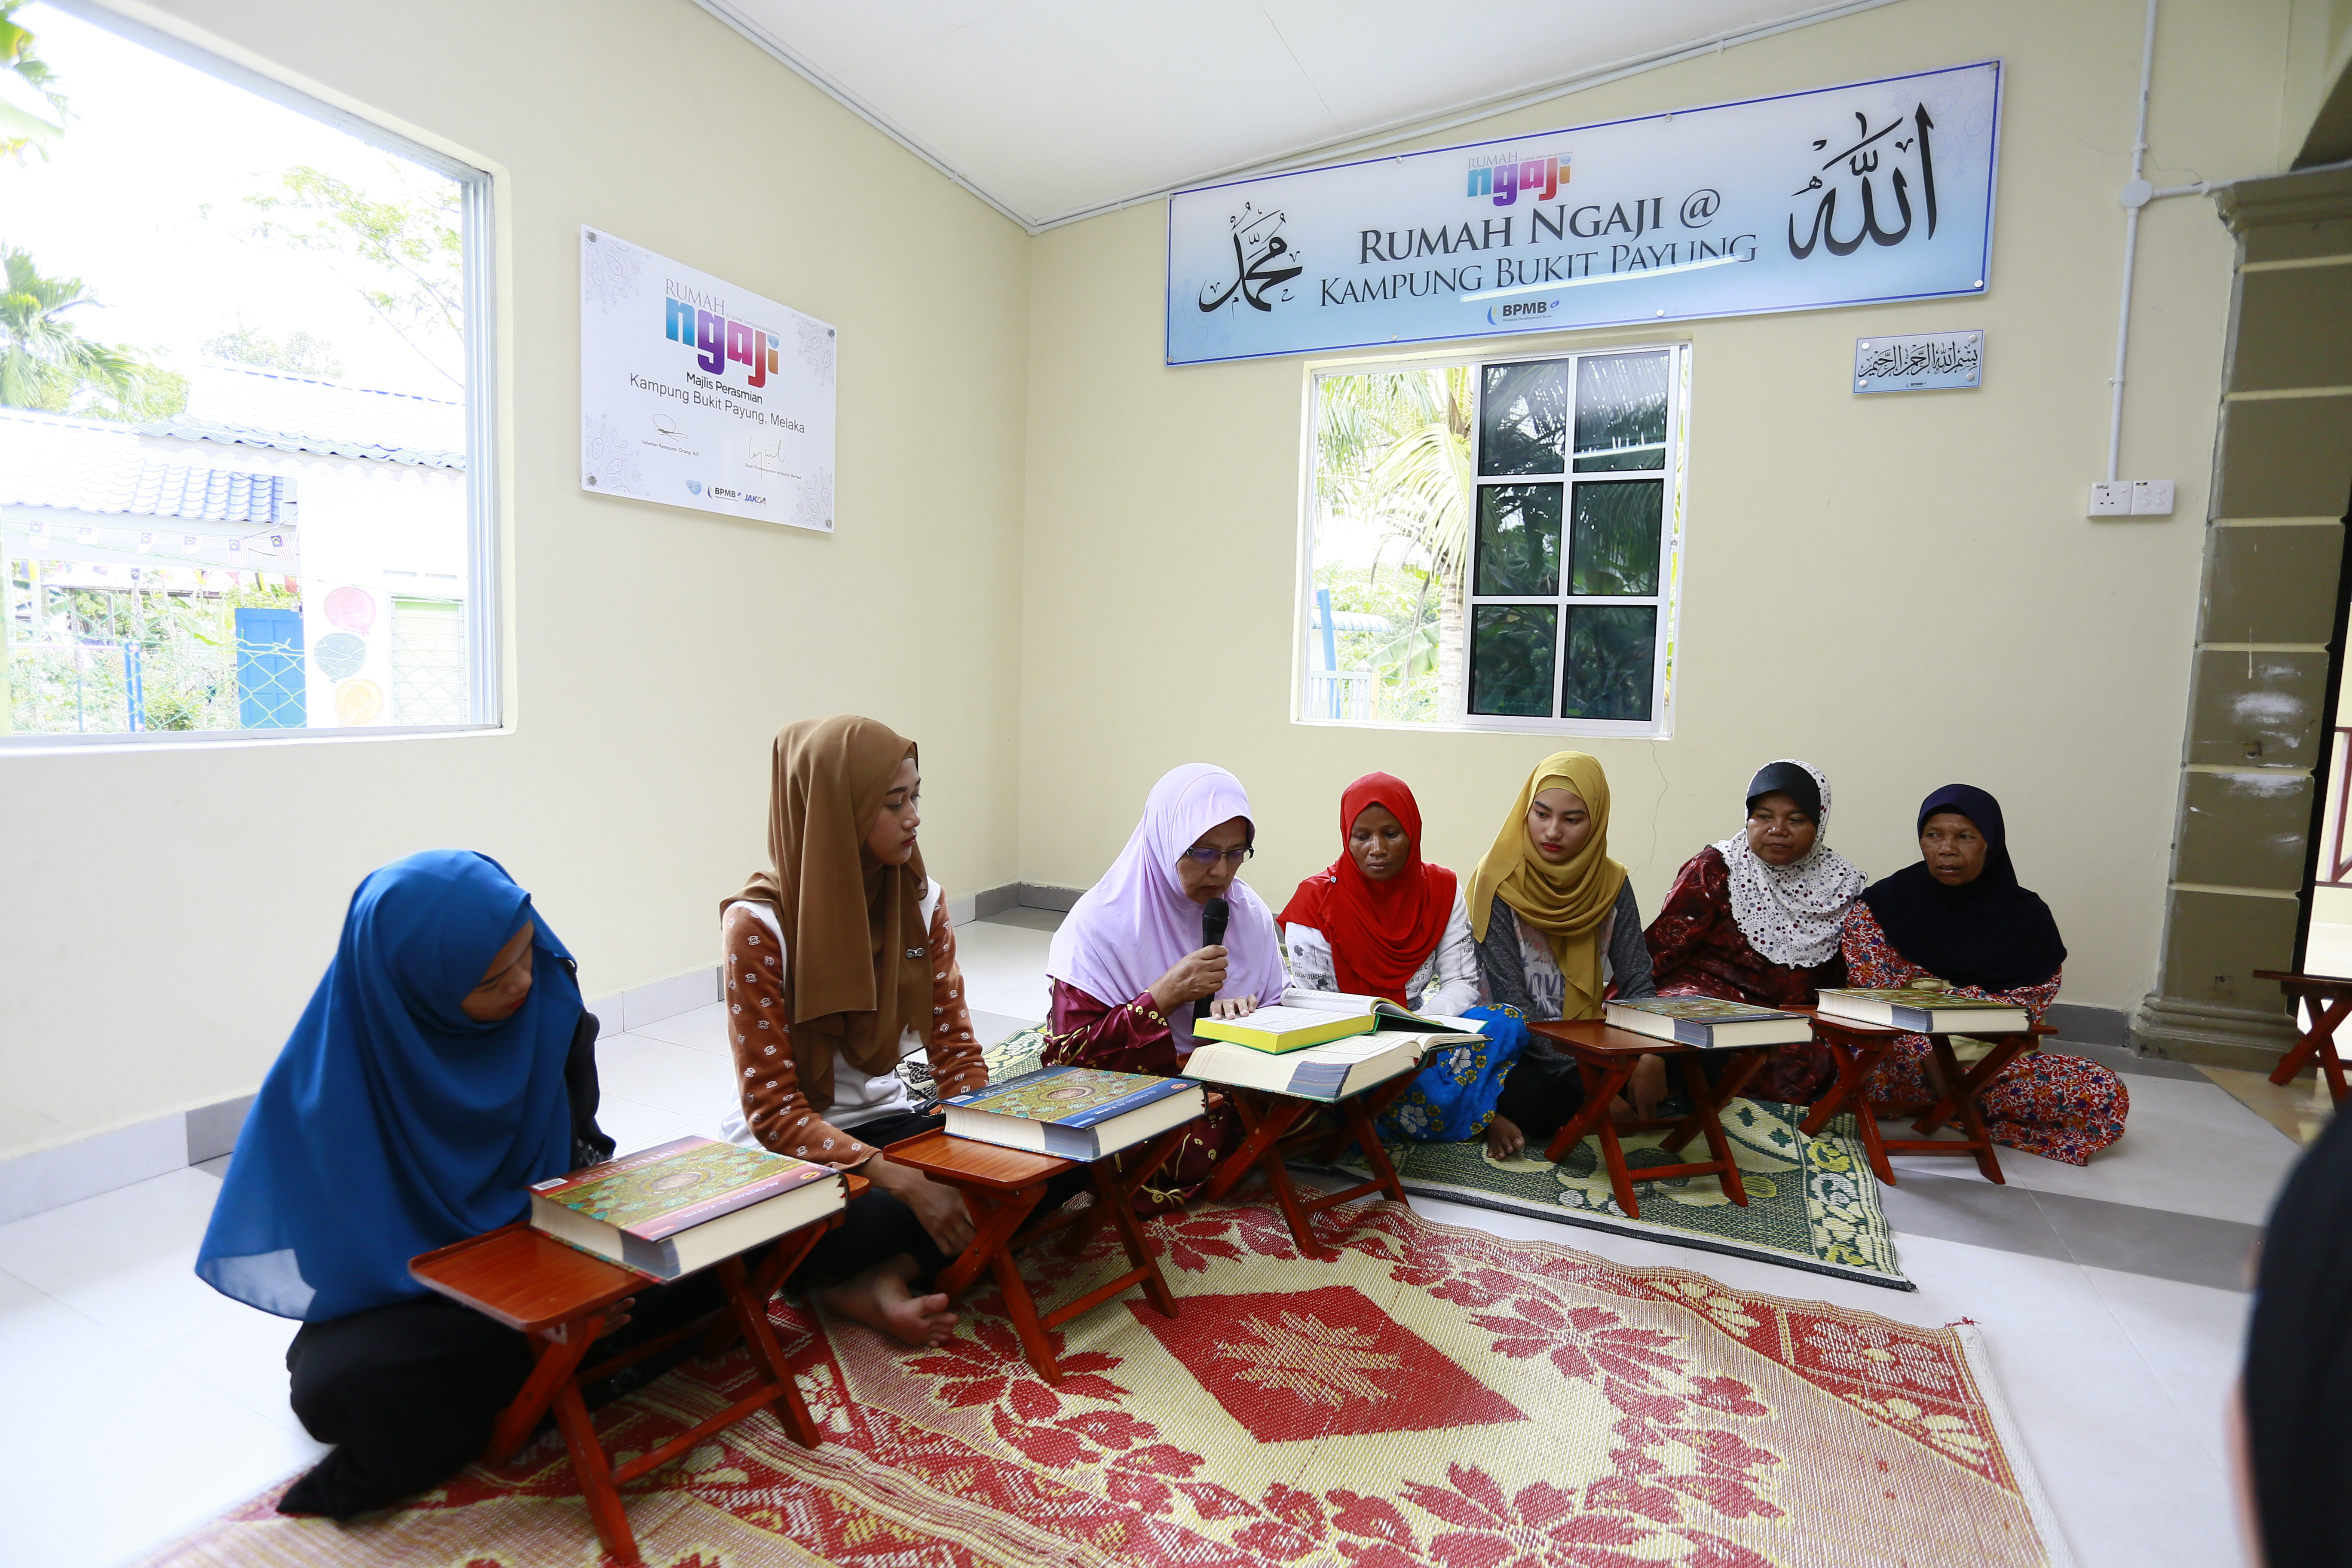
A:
778,1112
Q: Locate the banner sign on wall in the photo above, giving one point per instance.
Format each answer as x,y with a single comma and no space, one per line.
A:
1844,196
697,394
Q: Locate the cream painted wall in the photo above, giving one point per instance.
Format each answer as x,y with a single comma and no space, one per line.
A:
166,913
1902,589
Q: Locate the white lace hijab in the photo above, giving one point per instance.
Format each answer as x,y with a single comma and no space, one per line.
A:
1792,914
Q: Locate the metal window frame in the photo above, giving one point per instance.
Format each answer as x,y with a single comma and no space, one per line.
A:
483,520
1673,470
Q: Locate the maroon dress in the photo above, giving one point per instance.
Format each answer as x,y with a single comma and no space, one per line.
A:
1132,1037
1696,949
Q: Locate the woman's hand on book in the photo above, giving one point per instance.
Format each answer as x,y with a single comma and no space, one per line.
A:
1233,1006
1195,975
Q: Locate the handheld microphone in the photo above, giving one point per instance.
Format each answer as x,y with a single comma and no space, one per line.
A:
1213,916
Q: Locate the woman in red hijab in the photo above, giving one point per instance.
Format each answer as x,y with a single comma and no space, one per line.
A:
1381,921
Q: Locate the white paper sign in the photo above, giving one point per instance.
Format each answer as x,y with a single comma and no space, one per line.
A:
695,393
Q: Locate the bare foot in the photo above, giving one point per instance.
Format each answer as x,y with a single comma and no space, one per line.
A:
1618,1111
880,1299
1504,1138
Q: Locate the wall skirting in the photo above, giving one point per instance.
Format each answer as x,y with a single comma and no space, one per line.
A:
2211,1033
52,1178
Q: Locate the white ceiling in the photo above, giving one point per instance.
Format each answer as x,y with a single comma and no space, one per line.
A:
1052,109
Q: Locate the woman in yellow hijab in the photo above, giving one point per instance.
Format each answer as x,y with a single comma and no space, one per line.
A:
1557,930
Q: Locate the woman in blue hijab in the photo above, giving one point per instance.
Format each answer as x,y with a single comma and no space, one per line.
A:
445,1063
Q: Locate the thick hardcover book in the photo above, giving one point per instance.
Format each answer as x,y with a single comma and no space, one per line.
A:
1327,1072
1709,1022
1284,1027
1386,1015
1930,1012
1072,1112
683,1205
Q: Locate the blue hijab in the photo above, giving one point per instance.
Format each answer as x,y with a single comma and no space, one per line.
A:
393,1123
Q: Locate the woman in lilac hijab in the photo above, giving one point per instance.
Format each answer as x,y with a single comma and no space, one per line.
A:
1129,969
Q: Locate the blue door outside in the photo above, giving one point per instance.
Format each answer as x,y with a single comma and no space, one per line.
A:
270,670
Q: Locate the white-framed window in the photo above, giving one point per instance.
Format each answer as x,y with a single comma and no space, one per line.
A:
245,395
1497,544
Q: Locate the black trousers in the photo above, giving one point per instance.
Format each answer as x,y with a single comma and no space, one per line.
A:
877,1226
1543,1090
408,1394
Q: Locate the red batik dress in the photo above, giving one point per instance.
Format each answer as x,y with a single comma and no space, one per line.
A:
2061,1108
1696,949
1132,1037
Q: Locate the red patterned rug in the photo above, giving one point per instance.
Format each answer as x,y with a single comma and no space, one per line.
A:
1428,1396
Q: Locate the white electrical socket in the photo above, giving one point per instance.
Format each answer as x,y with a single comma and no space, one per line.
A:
2111,497
2152,497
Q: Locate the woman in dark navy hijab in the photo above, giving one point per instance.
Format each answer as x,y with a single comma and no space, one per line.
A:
1958,920
432,1077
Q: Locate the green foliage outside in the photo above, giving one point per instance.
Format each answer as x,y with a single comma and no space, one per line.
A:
1405,656
301,354
187,648
32,110
1392,460
47,364
402,253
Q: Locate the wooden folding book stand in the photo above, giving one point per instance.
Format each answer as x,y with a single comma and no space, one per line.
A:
1001,1187
561,1297
2330,997
1860,1047
1606,1058
1273,1122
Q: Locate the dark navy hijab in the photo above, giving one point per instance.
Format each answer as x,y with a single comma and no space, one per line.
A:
1989,932
393,1123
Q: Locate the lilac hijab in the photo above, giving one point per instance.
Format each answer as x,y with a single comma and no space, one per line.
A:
1130,927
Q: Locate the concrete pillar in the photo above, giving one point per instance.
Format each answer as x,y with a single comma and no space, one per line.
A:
2270,631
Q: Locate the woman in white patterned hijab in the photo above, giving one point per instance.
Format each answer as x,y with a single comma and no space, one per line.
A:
1755,918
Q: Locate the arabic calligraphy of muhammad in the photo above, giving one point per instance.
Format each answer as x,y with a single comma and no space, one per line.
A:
1263,262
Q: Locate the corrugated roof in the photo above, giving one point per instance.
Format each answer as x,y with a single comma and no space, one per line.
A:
246,406
89,465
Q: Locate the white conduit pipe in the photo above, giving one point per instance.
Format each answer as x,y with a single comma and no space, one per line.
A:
2134,195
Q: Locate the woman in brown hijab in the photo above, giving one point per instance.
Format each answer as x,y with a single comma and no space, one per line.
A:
840,962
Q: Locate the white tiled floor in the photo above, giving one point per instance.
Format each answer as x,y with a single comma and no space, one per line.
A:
2117,1379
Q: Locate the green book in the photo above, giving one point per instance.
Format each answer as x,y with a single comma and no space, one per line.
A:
1072,1112
1709,1023
1927,1012
683,1205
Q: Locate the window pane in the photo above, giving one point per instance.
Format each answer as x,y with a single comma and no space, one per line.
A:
1611,654
1519,539
1616,537
1523,415
1620,412
1510,659
1389,549
245,439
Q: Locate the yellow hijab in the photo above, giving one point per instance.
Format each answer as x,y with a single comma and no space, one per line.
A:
1566,902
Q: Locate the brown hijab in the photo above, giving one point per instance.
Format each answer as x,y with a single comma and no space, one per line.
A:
855,949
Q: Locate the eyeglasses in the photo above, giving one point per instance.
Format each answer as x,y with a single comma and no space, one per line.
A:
1208,857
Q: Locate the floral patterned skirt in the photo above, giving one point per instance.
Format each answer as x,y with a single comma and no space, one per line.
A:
2061,1108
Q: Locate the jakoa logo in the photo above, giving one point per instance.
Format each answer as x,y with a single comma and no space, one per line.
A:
694,487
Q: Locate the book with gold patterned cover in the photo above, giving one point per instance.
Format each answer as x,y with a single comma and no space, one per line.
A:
1709,1022
684,1205
1072,1112
1928,1012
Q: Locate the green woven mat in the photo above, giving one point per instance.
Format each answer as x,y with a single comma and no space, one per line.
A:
1812,1201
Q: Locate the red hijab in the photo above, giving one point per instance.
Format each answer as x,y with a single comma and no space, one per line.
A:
1381,932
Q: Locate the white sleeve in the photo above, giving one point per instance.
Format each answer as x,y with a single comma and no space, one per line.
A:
1454,985
1310,959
